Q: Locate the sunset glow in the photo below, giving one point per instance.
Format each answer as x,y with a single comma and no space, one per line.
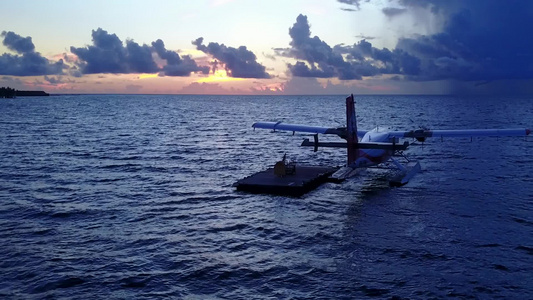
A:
220,75
144,76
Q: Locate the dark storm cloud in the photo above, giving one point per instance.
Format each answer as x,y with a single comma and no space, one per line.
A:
238,62
109,55
479,41
29,63
176,65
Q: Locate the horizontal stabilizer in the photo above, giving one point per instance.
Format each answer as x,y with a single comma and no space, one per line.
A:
360,145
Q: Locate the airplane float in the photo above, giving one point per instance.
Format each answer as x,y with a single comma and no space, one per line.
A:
375,148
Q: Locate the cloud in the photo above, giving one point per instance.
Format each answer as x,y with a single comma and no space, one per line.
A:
269,56
318,59
53,80
109,55
176,65
480,40
477,41
75,72
312,86
17,43
355,3
133,88
304,86
29,62
10,81
139,58
203,88
393,11
238,62
321,60
365,37
435,6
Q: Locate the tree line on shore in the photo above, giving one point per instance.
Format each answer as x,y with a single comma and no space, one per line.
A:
7,92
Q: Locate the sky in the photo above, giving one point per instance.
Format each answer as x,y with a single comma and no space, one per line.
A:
275,47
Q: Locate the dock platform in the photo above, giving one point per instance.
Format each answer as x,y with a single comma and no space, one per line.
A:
303,180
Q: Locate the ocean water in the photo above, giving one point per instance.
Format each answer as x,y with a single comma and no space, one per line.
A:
131,197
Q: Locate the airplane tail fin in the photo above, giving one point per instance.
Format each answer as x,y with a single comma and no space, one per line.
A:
351,128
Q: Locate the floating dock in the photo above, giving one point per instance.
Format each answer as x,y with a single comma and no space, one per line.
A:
302,180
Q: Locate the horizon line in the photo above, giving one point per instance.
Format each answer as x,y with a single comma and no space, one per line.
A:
281,95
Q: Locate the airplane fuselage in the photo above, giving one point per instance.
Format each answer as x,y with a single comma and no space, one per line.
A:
371,157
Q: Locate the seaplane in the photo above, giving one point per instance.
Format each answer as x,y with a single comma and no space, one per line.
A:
377,148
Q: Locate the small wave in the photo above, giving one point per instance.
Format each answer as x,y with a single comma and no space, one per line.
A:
132,157
528,250
45,231
62,214
373,292
156,170
431,256
106,180
500,267
138,281
488,245
521,221
423,256
199,199
234,227
59,284
176,217
123,167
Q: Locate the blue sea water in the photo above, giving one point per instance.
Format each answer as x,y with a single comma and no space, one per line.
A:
131,197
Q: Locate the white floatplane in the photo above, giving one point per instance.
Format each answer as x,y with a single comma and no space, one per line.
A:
373,148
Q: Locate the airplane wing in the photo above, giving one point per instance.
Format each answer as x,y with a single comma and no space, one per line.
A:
340,131
422,134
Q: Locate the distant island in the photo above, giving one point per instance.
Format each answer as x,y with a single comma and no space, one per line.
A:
7,92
